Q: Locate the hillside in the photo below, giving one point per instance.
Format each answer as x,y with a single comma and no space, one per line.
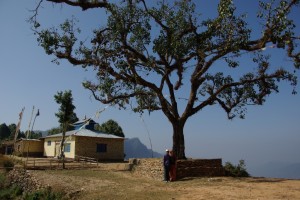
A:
134,148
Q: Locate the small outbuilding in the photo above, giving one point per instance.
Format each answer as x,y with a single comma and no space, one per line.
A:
29,147
85,141
7,147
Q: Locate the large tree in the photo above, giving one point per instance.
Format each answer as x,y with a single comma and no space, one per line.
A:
66,115
150,54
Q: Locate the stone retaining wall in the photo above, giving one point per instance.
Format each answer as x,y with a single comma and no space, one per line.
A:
153,168
199,168
147,167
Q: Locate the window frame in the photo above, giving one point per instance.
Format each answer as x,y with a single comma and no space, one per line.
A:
67,147
101,148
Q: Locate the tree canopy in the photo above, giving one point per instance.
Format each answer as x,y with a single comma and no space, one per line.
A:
54,130
4,131
111,127
66,115
148,56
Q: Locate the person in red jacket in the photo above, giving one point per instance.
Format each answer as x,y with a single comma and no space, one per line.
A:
173,166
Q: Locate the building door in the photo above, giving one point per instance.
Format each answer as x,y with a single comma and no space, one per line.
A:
57,149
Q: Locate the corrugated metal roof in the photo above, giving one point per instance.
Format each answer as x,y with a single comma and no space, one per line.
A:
86,133
24,139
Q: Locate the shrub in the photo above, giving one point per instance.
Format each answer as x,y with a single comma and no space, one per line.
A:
11,192
236,171
46,194
2,181
8,164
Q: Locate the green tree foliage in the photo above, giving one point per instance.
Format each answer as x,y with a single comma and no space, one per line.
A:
236,171
54,130
65,115
21,134
4,132
35,135
154,55
111,127
12,128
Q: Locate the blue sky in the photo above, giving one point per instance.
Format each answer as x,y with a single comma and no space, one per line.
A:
29,78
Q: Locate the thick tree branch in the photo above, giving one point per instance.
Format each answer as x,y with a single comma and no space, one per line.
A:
214,95
84,4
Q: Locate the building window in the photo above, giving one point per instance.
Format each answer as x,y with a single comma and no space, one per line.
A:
101,148
67,147
49,143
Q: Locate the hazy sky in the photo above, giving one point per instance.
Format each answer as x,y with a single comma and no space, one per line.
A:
29,78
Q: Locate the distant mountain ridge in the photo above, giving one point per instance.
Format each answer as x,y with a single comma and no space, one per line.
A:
134,148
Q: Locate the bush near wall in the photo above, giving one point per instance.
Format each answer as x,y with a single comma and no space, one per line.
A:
6,163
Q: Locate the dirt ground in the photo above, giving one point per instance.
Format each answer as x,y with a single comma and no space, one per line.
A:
117,184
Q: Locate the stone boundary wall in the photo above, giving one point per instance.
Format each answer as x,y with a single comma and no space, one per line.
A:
153,168
199,168
147,167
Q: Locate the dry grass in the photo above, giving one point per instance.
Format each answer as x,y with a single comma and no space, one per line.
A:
112,184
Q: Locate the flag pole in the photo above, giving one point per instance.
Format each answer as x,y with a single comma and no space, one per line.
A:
37,114
28,134
18,126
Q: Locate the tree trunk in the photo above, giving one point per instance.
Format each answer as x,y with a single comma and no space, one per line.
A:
62,151
178,140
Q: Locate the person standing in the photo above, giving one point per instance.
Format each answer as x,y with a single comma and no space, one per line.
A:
173,166
166,163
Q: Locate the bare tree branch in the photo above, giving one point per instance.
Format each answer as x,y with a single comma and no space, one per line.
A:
85,4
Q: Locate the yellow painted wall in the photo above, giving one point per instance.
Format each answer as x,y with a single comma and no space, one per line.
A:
86,146
31,147
50,151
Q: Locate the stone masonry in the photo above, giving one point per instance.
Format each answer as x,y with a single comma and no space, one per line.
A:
153,168
199,168
86,146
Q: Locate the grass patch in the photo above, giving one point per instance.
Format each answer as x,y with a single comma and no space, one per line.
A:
46,194
112,185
